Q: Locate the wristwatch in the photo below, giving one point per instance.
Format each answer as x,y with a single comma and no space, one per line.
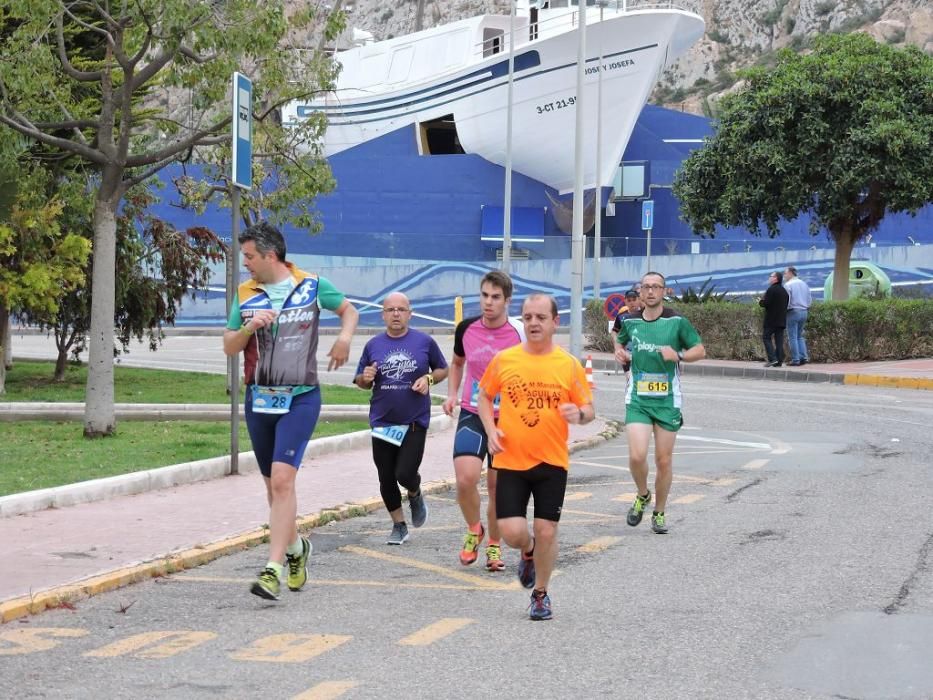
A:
581,415
680,355
430,377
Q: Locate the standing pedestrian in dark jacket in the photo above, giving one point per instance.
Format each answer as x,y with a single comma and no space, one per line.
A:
774,303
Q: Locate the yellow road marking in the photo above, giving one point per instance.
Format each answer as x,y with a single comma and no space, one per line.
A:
176,643
28,641
345,582
289,648
328,690
595,515
598,545
414,563
689,498
435,631
580,496
755,464
624,497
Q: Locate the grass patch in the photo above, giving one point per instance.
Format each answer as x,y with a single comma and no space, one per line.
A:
32,381
42,454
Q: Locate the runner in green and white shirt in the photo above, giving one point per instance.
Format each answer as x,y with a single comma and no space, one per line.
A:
660,339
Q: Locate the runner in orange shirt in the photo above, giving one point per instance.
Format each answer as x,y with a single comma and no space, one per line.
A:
542,390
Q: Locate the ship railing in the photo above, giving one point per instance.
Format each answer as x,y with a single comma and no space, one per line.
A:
499,44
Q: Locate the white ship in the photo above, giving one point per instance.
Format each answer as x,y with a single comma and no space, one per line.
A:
449,84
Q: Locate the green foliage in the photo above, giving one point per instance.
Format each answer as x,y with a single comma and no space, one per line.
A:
718,36
842,132
704,295
38,258
596,327
837,331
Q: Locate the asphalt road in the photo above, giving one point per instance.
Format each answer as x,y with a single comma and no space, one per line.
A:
799,565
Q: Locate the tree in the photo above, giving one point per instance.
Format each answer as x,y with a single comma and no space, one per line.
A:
157,267
844,133
38,258
129,51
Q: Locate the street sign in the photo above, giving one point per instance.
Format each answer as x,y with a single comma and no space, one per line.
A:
613,305
647,214
242,170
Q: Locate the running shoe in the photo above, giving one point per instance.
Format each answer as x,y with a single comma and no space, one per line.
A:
637,510
298,566
526,568
540,607
399,534
471,543
419,509
659,524
494,558
267,585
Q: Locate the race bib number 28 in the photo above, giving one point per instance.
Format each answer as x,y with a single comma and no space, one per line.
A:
272,399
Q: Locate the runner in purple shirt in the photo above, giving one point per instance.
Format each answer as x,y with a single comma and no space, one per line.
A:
400,366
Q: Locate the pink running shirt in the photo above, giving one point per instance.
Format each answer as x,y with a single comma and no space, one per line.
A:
478,344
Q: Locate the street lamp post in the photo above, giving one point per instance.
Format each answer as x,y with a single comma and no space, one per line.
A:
576,239
507,214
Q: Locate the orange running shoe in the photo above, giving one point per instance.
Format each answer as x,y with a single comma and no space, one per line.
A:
494,558
471,543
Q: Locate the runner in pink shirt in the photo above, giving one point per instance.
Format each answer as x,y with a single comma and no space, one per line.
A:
476,341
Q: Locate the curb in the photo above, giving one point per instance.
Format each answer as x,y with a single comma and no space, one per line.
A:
64,596
791,375
167,477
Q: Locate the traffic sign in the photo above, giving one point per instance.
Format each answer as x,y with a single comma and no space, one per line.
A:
647,214
613,305
242,166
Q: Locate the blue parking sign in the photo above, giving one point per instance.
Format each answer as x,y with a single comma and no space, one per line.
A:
647,214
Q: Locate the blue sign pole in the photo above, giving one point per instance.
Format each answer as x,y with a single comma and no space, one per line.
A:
647,223
241,178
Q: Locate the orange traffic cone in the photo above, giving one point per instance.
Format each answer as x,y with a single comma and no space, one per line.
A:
588,367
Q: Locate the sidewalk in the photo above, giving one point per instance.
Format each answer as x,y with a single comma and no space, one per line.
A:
61,554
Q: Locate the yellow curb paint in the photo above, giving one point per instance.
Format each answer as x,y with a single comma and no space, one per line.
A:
689,498
598,545
436,631
289,648
414,563
328,690
923,383
172,643
755,464
31,640
579,496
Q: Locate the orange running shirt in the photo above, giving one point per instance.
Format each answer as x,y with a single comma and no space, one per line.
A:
532,388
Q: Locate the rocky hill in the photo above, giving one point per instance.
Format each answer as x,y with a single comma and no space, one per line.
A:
739,33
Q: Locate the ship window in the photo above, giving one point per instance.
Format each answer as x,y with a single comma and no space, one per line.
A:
492,41
401,64
439,137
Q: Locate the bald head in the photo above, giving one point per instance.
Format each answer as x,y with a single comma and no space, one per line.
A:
396,313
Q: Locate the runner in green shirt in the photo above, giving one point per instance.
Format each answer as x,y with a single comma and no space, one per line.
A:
660,339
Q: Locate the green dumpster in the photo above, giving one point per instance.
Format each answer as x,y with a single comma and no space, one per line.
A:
864,278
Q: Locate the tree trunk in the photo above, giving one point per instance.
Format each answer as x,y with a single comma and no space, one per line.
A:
844,244
61,365
99,414
4,344
7,344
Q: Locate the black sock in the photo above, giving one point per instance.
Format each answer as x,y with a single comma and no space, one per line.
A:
538,593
